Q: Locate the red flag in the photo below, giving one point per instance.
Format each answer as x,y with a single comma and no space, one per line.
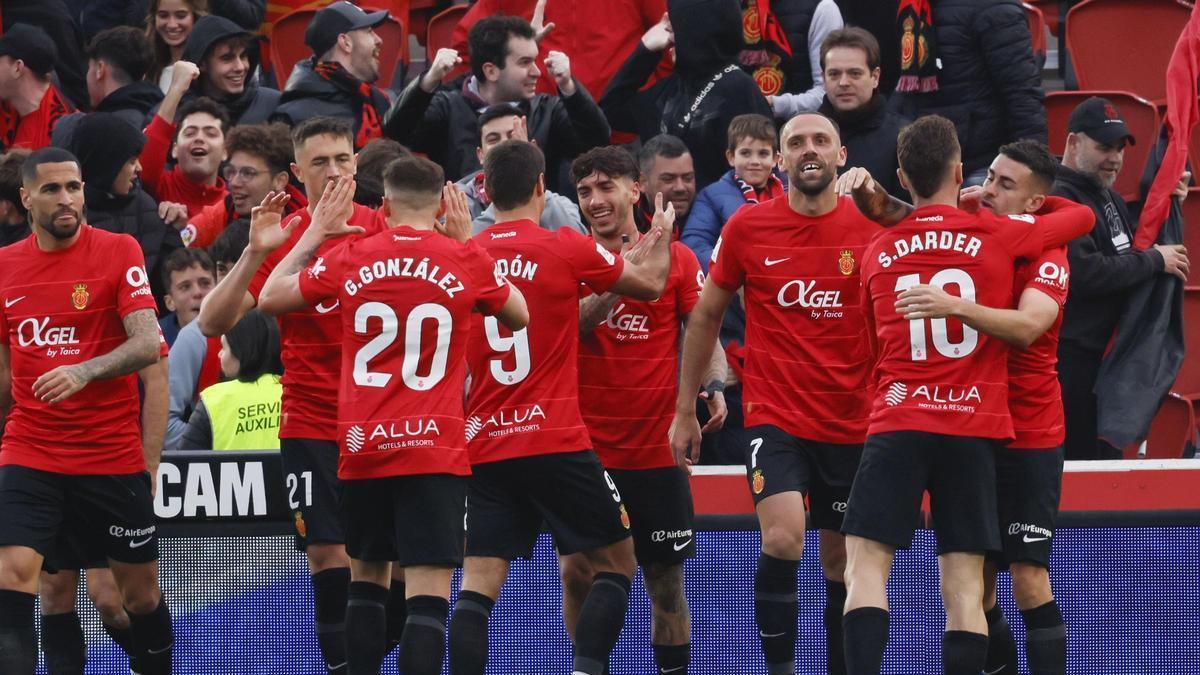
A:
1183,112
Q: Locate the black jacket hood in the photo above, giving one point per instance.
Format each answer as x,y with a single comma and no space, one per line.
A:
103,143
141,96
208,31
708,35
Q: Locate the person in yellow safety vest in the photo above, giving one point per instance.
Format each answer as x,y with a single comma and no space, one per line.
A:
241,413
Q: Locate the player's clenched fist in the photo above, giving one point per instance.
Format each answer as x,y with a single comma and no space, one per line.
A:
558,65
443,62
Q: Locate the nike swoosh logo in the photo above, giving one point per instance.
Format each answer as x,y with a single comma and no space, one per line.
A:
1029,540
340,665
771,635
993,672
682,545
322,309
768,262
137,544
12,301
160,651
664,671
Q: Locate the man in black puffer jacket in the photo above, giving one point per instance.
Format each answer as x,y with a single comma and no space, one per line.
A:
118,60
989,84
227,55
706,91
444,124
107,149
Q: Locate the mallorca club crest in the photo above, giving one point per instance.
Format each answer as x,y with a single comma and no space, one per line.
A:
301,528
846,262
80,297
757,481
624,517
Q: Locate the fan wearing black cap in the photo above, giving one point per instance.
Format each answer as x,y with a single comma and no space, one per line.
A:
338,80
1104,265
30,105
227,54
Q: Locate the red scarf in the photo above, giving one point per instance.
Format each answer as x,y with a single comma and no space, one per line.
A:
774,188
918,47
767,50
33,130
369,126
481,190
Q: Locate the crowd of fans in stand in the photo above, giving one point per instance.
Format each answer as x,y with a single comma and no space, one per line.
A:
180,131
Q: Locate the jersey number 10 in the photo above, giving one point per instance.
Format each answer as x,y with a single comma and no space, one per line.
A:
941,342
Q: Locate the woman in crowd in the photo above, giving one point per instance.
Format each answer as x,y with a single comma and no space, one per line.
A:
168,25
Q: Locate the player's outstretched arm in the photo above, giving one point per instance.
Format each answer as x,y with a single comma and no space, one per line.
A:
646,279
515,313
154,415
594,309
1063,220
871,199
713,391
226,304
1019,327
704,323
135,353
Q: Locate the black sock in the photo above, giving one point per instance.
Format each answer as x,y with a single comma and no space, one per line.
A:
1002,650
468,633
866,633
124,639
963,652
672,659
329,595
775,609
424,643
835,606
154,638
63,645
1045,640
397,613
18,636
366,628
600,622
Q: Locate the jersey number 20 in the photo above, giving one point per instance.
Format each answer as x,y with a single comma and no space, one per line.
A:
942,343
429,311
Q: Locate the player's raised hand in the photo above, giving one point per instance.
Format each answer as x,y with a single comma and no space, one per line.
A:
636,252
664,219
660,36
183,73
685,436
926,302
265,233
855,180
335,208
56,386
970,199
457,212
444,61
538,22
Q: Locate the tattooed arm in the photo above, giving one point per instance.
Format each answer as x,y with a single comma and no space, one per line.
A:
871,199
135,353
594,309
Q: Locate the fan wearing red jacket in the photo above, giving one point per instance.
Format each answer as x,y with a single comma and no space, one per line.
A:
531,457
942,396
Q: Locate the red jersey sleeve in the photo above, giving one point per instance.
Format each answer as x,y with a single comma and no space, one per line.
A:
593,264
1049,274
1021,235
725,268
493,288
1063,220
691,278
133,289
154,153
322,278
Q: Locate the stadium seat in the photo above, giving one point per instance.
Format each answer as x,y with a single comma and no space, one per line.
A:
440,33
1141,117
1037,29
1191,229
1188,381
1049,10
288,48
1173,431
1125,44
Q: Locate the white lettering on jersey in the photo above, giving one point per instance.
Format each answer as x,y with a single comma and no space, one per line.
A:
405,267
931,240
1052,274
608,257
516,268
632,323
37,333
797,292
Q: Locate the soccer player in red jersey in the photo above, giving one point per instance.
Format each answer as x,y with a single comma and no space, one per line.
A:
311,341
633,345
941,397
1029,469
530,452
77,322
807,378
407,296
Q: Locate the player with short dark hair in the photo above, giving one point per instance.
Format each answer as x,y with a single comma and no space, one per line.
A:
403,456
311,341
624,341
531,456
806,377
942,401
77,323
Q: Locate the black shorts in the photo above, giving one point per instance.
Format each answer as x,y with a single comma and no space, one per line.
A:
508,500
659,503
777,461
112,514
314,492
413,520
898,466
72,551
1028,488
